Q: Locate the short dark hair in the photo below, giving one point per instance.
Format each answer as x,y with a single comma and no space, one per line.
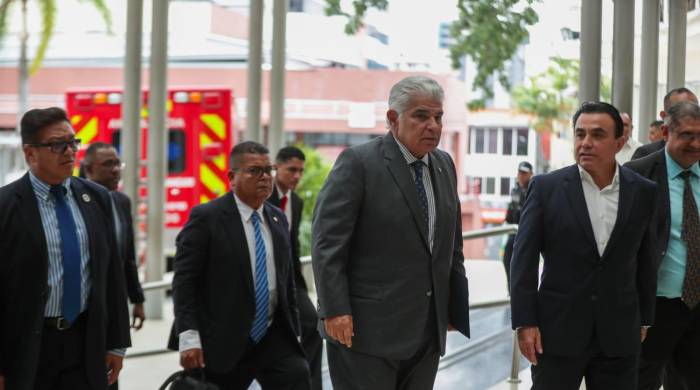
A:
246,147
289,152
601,108
91,151
680,111
35,120
675,91
656,123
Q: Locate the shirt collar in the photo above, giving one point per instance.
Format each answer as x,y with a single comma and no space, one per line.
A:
673,169
42,190
408,156
585,176
247,211
281,194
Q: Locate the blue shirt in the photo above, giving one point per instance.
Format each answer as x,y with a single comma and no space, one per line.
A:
49,221
672,270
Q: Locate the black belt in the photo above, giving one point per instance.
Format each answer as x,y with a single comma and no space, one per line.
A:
60,323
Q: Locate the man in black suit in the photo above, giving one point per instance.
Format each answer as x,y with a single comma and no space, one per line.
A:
387,250
517,198
674,340
233,289
592,224
103,166
290,169
64,323
672,97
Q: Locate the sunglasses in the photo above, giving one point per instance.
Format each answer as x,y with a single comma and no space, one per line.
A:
59,147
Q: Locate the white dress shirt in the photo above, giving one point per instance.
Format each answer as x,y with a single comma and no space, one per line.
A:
602,206
288,207
625,154
190,339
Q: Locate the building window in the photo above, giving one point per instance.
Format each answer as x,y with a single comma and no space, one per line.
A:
296,5
490,185
493,141
505,186
522,142
507,142
479,141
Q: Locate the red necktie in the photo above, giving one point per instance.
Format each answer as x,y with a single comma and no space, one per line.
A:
283,203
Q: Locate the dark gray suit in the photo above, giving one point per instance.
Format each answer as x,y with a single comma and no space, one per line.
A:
372,259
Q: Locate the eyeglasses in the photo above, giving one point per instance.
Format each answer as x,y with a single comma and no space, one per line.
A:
59,147
257,171
687,136
111,164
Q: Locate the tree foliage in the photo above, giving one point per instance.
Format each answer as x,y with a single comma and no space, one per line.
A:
47,10
315,172
488,31
551,96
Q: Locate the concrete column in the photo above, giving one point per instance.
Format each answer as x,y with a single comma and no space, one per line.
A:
255,24
157,156
279,36
623,55
591,30
131,105
649,77
677,26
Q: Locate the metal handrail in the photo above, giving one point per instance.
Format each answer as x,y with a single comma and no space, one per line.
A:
305,260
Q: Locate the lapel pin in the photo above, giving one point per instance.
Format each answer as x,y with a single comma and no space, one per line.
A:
439,169
275,219
86,197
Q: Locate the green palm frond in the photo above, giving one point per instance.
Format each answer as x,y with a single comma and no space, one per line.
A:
4,12
104,11
48,21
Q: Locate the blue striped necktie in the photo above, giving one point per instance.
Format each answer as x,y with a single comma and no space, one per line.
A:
70,253
262,294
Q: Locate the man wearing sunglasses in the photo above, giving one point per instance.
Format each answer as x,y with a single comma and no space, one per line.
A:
64,323
235,303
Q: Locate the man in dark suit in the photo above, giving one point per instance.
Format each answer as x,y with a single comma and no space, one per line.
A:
674,340
592,224
672,97
62,302
290,169
387,250
233,289
103,166
517,198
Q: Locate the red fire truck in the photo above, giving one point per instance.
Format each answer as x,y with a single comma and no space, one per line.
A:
200,137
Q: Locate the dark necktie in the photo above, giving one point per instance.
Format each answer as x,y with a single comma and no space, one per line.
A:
690,233
420,187
70,253
262,294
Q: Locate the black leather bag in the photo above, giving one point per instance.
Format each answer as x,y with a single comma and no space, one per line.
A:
183,380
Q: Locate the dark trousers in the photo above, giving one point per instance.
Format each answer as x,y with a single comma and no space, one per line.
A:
276,362
311,341
61,360
352,370
674,343
600,372
507,256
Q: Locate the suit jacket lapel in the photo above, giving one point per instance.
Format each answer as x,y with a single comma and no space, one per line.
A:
440,185
577,201
396,164
277,233
233,230
86,205
660,175
32,221
624,206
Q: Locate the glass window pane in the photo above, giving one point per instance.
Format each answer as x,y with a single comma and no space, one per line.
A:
176,150
490,185
479,141
522,142
505,186
493,141
507,142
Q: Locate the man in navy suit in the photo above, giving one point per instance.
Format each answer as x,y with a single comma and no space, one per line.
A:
592,224
65,324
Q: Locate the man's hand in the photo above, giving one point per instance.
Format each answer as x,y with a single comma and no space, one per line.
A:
192,359
530,343
340,328
450,328
644,334
138,313
2,382
114,366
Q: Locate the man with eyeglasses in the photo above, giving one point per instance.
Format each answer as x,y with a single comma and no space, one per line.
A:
65,324
674,340
102,165
235,304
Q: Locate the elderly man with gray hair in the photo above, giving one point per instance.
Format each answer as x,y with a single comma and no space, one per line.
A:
673,341
387,250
